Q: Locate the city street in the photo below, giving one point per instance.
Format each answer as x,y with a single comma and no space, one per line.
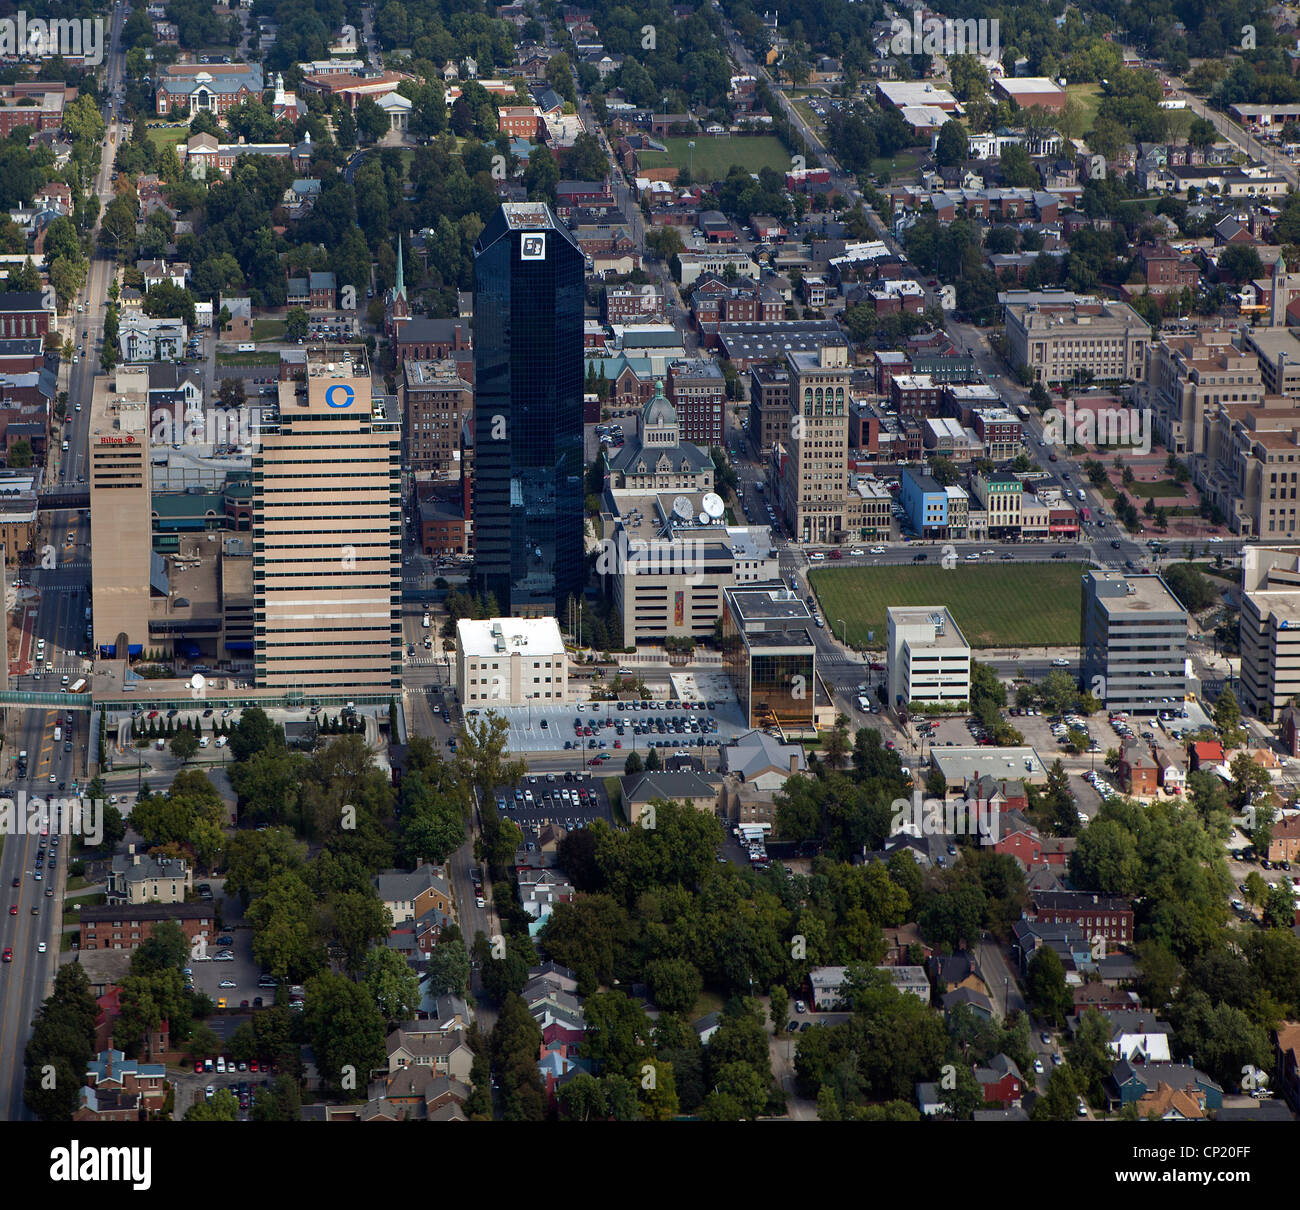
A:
62,598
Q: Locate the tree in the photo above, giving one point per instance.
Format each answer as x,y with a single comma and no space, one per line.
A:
184,745
346,1029
1045,988
1201,133
674,983
221,1108
658,1091
1059,1102
952,145
541,175
295,324
20,453
665,242
392,983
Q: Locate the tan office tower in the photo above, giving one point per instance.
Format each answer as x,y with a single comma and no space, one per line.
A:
121,512
815,481
327,534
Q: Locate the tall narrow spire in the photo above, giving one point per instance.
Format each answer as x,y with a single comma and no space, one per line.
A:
400,288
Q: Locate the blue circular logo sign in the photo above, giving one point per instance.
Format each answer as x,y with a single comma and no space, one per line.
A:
348,395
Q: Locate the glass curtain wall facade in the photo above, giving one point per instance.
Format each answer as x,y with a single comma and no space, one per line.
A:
528,312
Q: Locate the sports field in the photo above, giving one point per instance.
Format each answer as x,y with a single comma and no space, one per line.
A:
715,154
995,604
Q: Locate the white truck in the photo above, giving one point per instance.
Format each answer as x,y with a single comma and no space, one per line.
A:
58,735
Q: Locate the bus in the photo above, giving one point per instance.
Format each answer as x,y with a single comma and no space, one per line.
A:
77,686
1022,411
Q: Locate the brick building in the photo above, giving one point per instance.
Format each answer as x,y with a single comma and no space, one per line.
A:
436,400
127,925
1106,916
698,391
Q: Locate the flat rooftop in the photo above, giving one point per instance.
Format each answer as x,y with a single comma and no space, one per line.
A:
774,604
944,631
336,363
509,636
528,216
1123,592
962,765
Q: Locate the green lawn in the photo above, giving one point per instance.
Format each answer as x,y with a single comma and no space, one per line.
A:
1158,490
268,329
247,359
160,136
1002,605
614,789
810,115
892,168
714,154
1087,97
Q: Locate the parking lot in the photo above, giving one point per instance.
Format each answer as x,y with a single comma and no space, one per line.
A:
586,802
241,971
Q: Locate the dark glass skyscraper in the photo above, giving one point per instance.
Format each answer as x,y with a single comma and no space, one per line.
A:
528,310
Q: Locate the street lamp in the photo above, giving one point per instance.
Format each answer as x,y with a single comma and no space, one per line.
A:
845,632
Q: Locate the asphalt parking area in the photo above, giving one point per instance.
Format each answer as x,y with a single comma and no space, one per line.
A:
549,805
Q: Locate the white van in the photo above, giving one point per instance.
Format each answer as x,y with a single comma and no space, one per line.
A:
221,741
65,447
203,741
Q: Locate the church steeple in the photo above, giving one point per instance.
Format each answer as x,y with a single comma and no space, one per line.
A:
399,287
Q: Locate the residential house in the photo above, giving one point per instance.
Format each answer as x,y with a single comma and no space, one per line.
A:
1136,1036
641,790
1284,841
239,327
409,896
442,1053
111,1071
1139,775
1128,1083
1001,1081
144,878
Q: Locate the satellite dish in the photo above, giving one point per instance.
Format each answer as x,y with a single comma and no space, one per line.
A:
713,505
682,508
704,518
197,681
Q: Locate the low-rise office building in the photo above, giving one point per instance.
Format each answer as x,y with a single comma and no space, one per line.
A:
928,659
1270,628
1134,642
510,662
770,657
